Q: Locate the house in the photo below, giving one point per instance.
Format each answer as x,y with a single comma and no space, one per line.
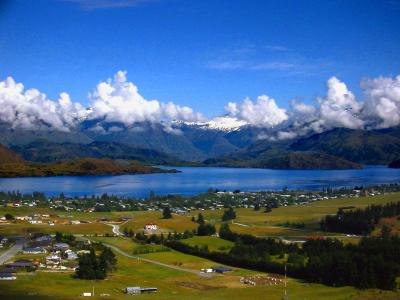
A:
33,250
150,227
138,290
53,257
71,254
22,263
43,238
7,276
60,246
208,270
36,222
42,244
133,290
104,220
221,269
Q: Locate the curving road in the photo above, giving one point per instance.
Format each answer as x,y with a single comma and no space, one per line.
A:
10,253
155,262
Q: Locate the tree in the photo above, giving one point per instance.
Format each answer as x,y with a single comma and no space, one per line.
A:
93,267
59,236
386,232
167,213
206,229
107,260
200,219
226,233
87,266
257,206
229,214
9,217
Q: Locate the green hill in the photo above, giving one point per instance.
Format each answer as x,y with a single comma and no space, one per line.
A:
361,146
45,151
87,166
8,156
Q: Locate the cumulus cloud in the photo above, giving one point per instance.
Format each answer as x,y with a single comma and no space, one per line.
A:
382,101
118,100
31,109
380,108
339,108
264,112
114,100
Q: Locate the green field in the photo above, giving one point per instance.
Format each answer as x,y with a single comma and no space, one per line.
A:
213,243
172,284
177,284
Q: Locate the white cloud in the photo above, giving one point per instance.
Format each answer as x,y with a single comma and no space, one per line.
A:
117,100
31,109
339,108
382,101
262,113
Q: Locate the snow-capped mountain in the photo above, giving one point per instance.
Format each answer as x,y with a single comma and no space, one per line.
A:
225,123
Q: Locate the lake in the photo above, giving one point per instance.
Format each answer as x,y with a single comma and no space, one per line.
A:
194,180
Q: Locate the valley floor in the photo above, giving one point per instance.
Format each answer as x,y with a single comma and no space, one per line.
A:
176,275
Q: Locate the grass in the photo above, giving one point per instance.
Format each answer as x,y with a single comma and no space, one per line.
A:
174,284
23,228
213,243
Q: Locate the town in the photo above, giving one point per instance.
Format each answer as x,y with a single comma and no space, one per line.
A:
99,252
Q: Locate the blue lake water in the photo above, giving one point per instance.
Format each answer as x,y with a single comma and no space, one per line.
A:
194,180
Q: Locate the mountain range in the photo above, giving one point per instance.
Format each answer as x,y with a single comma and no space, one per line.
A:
225,144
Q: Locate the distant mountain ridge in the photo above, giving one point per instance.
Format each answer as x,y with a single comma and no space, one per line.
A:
235,144
8,156
45,151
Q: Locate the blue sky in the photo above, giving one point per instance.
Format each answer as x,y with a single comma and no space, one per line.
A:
199,53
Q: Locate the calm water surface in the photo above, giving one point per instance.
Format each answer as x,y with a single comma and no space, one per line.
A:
194,180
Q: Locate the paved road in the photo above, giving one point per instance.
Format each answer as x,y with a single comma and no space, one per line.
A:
115,228
10,253
154,262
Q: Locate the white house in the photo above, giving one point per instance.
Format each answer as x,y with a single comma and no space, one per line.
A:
150,227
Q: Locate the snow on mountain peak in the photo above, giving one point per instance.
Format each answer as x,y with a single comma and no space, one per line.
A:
224,123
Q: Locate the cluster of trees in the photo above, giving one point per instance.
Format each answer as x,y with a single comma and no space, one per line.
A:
229,214
204,228
159,239
92,266
373,263
65,238
297,225
359,221
167,213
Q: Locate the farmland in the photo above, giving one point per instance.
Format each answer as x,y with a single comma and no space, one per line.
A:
174,283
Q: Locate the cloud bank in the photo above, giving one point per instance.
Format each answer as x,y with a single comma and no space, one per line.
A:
114,100
118,100
31,109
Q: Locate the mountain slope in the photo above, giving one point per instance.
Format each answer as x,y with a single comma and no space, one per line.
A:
362,146
46,151
87,166
8,156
